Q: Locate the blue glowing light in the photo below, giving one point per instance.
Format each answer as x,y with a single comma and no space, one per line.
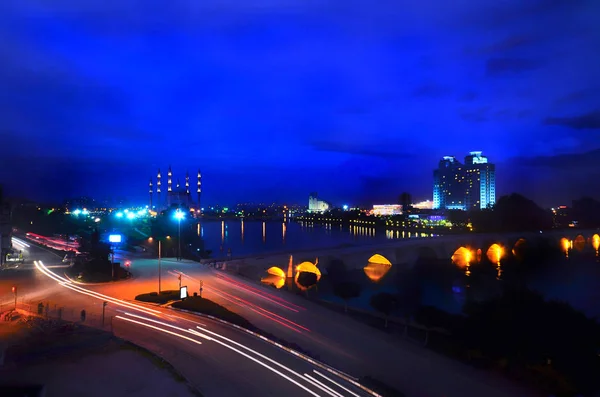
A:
130,215
179,215
76,212
119,215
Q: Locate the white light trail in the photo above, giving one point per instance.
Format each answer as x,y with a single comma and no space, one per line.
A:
329,389
320,387
270,368
336,383
160,329
67,284
167,325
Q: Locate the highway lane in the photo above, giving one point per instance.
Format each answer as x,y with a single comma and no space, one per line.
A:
338,340
218,359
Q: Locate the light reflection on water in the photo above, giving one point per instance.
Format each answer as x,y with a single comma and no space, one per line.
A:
256,237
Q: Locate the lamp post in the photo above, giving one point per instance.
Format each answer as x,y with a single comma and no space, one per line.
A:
159,267
179,215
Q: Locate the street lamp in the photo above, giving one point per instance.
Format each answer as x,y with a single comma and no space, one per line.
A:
179,215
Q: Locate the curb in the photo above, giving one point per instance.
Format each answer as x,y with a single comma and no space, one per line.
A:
348,378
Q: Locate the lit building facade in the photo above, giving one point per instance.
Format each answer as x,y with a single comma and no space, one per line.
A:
471,185
448,184
480,181
387,209
317,206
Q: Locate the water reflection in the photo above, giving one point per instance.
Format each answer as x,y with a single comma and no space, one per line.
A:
222,234
565,245
596,243
377,267
283,231
242,226
462,258
264,232
579,243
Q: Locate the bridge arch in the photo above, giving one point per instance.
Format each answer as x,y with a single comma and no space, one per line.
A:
462,257
377,267
579,242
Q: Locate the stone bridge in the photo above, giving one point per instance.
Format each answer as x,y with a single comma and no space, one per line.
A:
407,252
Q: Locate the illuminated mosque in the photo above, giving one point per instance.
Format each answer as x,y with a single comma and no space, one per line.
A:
178,195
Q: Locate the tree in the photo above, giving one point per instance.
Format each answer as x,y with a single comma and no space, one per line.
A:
384,303
513,213
347,290
307,279
337,271
405,200
409,296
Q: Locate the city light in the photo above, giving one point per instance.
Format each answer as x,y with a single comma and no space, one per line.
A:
85,212
130,215
115,238
179,215
345,207
77,212
119,215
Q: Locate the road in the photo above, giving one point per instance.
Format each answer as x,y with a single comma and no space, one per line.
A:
218,359
338,340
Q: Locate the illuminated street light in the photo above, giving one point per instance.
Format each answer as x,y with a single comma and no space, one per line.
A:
179,215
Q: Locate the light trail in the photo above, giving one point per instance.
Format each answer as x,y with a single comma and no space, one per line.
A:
237,302
164,324
23,243
160,329
312,382
67,284
329,389
269,313
259,291
336,383
267,366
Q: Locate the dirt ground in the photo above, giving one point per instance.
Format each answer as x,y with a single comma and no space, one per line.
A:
73,360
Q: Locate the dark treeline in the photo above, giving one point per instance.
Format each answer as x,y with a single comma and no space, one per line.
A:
545,344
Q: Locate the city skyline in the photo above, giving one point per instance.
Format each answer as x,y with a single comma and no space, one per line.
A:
274,101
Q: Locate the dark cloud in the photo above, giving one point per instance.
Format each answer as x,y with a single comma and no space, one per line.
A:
359,150
585,121
431,90
583,95
476,115
587,161
468,96
509,66
503,46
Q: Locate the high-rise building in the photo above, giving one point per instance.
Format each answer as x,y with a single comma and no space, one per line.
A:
448,184
480,181
315,205
464,186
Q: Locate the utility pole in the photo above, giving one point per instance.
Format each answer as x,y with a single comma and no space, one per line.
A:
159,267
179,277
112,265
14,290
201,285
103,309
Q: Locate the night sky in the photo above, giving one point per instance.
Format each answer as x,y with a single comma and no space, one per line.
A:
273,99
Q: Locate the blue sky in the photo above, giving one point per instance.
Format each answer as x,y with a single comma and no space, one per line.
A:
273,99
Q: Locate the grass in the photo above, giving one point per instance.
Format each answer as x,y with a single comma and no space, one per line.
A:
155,297
205,306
